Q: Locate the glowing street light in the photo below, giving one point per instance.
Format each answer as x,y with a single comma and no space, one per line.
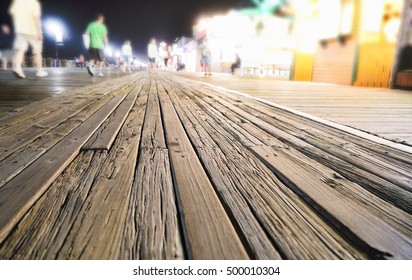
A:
55,29
108,51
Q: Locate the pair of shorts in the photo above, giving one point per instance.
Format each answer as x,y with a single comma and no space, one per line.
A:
6,54
152,59
96,54
126,58
207,61
22,42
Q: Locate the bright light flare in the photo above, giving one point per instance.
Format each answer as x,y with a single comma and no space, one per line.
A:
55,28
108,51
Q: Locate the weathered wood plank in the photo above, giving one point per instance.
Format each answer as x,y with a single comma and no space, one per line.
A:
19,194
331,102
21,134
321,149
335,137
23,157
258,200
393,231
387,180
234,178
153,132
208,230
33,238
389,241
152,228
102,216
35,109
104,137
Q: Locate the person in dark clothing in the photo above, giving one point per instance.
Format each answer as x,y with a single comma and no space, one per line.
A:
236,64
6,45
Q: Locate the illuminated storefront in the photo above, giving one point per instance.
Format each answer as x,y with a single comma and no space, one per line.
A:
348,42
263,42
356,41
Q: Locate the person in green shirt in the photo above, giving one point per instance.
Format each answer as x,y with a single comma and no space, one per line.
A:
97,33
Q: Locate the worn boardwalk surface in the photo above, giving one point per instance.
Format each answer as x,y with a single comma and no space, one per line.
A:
155,166
15,93
383,112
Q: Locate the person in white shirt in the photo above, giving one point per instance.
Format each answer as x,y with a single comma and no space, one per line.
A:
127,54
26,15
152,53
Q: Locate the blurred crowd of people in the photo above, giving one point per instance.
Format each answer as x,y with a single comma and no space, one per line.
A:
27,26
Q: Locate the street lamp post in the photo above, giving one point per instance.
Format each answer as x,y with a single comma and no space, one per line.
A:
59,40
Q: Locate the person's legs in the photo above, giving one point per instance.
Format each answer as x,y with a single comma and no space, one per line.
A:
20,46
92,58
124,63
18,60
38,61
129,64
207,67
151,63
89,67
37,47
4,61
101,63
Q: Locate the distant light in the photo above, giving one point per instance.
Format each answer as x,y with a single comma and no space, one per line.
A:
55,28
117,54
108,51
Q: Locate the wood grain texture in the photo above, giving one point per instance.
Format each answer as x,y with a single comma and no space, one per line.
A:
153,131
22,157
102,217
178,169
35,179
394,227
104,137
49,116
60,205
207,228
258,199
152,230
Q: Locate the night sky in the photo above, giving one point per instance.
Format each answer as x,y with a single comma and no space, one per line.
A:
137,20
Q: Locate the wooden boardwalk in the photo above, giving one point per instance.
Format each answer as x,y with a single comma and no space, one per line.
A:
383,112
16,93
155,166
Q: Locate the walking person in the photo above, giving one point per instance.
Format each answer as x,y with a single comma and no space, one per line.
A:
81,60
206,58
97,32
26,15
236,64
152,53
127,54
6,46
